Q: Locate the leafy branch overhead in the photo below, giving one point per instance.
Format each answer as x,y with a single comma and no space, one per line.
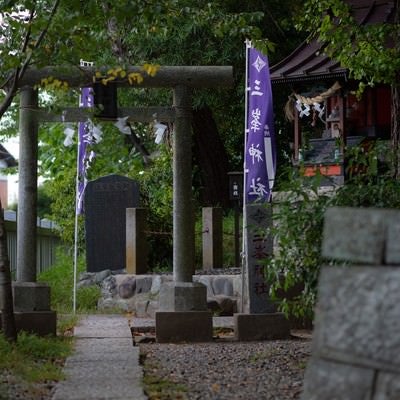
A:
370,52
48,33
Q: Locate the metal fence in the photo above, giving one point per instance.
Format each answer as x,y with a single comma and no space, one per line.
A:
47,242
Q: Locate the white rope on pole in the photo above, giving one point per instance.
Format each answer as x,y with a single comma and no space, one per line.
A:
76,233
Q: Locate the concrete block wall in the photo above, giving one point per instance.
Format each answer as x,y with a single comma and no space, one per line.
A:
356,340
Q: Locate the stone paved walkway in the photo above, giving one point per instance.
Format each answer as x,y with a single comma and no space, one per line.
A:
105,365
218,322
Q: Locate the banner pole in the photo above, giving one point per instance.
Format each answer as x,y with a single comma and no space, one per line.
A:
85,100
76,230
244,227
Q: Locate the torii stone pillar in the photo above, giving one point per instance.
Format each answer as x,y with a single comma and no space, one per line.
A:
27,186
183,314
31,299
183,224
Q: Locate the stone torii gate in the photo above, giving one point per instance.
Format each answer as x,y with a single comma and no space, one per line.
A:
183,314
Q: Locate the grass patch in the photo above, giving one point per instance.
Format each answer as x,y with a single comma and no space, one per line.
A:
60,279
66,323
264,355
302,364
158,387
34,359
221,331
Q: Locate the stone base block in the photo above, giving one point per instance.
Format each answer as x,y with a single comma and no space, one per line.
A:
372,293
183,296
42,323
249,327
189,326
31,296
325,379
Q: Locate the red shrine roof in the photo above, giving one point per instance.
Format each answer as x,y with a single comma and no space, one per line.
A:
309,63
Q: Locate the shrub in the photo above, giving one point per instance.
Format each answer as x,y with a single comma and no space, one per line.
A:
298,222
297,232
60,280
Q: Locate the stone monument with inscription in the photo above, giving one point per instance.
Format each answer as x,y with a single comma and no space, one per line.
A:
258,319
106,201
259,248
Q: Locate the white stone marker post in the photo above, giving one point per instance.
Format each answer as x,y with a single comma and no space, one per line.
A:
212,237
136,241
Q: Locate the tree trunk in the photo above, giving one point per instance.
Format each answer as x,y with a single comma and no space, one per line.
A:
395,129
211,158
6,300
395,109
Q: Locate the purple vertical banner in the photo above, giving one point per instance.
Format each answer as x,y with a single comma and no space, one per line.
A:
84,138
260,157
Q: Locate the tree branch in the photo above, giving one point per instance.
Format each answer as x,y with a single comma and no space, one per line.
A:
42,35
20,71
117,45
28,33
10,94
137,143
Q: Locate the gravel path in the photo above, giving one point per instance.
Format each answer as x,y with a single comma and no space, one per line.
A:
224,369
271,370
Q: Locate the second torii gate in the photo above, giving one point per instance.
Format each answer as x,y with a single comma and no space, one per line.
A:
185,299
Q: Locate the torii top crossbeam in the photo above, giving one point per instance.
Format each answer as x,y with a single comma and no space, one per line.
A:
166,77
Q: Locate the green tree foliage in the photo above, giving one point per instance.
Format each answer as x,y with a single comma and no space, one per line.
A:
62,192
210,33
156,189
43,202
365,50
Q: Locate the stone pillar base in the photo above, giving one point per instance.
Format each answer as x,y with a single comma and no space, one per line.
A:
185,326
32,308
42,323
31,296
249,327
183,296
